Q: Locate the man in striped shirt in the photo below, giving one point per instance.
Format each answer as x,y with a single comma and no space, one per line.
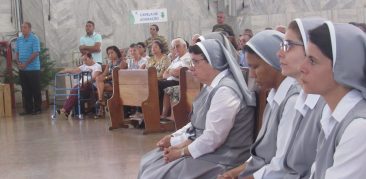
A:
27,57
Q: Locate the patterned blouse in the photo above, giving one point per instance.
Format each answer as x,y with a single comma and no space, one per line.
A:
160,64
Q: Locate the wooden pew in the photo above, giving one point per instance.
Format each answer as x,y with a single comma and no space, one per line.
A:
189,89
136,88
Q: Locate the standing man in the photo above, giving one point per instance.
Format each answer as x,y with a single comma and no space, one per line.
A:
154,30
225,28
91,43
27,57
221,26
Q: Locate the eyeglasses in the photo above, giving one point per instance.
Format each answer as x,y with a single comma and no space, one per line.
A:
287,44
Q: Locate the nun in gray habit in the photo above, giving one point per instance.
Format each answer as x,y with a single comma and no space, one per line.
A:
235,143
273,136
301,150
341,150
224,40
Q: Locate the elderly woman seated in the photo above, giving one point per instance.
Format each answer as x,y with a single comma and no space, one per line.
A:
159,60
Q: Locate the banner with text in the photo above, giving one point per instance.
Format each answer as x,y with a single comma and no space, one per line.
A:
149,16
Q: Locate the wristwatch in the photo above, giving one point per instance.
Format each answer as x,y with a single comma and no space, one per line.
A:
182,153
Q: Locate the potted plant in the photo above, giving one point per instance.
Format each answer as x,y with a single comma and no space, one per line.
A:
48,72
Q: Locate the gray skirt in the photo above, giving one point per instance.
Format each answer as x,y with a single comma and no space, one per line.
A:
153,166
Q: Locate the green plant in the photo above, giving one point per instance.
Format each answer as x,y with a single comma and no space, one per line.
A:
48,70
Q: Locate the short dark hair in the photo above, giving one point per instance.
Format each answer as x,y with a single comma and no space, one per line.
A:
115,49
320,36
133,45
89,55
142,44
195,49
91,22
156,27
161,46
248,50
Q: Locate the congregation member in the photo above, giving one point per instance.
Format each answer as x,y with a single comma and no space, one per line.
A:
104,81
141,48
171,74
154,32
29,65
220,18
222,27
221,128
136,61
269,147
88,66
247,35
335,69
159,60
91,42
171,94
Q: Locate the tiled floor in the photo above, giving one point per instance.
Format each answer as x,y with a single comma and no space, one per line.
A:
35,147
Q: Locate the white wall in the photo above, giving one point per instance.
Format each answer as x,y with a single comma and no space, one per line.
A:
185,17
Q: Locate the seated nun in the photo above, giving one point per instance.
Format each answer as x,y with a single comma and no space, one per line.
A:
335,69
220,133
268,150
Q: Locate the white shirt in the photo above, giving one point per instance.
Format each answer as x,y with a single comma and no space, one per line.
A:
305,102
133,66
183,61
93,68
350,154
284,127
90,41
219,120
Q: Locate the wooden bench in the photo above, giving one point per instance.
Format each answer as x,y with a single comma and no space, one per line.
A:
189,88
6,109
136,88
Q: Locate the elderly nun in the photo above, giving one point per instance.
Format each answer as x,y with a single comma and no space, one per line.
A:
220,133
264,65
335,69
224,40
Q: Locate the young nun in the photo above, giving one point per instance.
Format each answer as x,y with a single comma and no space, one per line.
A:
335,69
268,149
221,129
302,147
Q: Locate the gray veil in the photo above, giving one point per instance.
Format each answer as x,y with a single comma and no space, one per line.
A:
266,44
224,41
306,24
349,55
221,59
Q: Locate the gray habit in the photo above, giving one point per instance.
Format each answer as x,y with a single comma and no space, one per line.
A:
349,70
234,151
301,150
